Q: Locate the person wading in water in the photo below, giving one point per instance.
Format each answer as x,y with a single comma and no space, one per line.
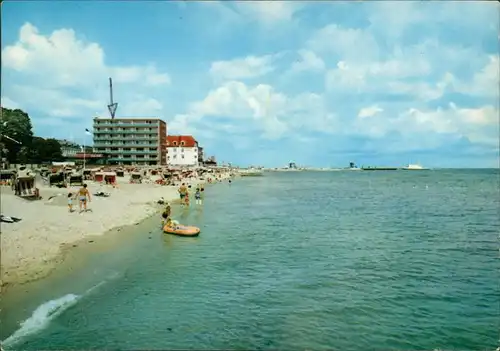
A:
83,196
182,192
166,214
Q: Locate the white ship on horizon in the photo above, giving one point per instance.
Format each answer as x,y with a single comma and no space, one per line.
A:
415,167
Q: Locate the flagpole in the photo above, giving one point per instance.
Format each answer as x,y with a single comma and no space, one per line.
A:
84,141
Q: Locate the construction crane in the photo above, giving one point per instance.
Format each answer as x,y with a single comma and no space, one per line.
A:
112,105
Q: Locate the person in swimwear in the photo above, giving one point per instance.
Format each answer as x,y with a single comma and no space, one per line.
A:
83,196
182,192
70,202
197,196
202,195
172,224
169,223
166,214
186,199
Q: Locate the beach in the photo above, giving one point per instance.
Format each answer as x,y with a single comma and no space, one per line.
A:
32,247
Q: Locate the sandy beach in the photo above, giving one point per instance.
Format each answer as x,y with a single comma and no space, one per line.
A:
32,247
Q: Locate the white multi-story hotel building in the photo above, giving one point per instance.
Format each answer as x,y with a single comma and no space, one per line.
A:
182,150
131,141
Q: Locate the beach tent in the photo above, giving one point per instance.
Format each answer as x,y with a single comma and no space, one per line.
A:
135,177
75,179
108,177
25,187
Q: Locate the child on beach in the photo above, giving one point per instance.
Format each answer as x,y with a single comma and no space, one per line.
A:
166,214
169,223
70,202
197,196
172,223
186,199
202,195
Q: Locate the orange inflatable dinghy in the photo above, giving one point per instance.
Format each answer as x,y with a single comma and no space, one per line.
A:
182,230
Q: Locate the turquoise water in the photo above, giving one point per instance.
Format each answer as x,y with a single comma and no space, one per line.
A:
303,260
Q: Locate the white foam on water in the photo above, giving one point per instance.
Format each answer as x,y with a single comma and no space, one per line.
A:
43,315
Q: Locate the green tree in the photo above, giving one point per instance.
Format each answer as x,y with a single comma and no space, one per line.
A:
45,150
17,125
53,151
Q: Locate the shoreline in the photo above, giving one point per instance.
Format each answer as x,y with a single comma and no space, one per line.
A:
52,264
75,260
34,247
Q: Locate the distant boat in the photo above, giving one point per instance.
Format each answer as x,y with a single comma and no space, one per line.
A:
415,167
379,168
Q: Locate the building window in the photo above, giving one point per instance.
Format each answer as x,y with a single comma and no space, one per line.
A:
182,156
175,143
182,143
175,156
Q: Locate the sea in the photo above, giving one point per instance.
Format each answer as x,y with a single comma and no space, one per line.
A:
347,260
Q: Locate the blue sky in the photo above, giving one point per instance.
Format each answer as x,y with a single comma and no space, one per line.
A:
322,84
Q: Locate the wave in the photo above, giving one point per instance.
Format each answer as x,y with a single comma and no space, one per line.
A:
43,315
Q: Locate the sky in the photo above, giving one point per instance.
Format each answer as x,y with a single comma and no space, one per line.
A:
265,83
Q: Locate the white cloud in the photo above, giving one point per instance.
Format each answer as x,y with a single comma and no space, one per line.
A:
308,61
367,63
54,101
405,71
52,63
345,77
347,43
268,11
61,59
141,106
261,107
243,68
368,112
392,23
485,83
133,74
479,125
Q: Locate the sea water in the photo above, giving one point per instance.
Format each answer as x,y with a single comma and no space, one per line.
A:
298,260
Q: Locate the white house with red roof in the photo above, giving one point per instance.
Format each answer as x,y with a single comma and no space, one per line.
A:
182,150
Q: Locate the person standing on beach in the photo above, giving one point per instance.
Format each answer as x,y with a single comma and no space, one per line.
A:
70,202
83,196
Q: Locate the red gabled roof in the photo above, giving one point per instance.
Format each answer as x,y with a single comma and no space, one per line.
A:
177,140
